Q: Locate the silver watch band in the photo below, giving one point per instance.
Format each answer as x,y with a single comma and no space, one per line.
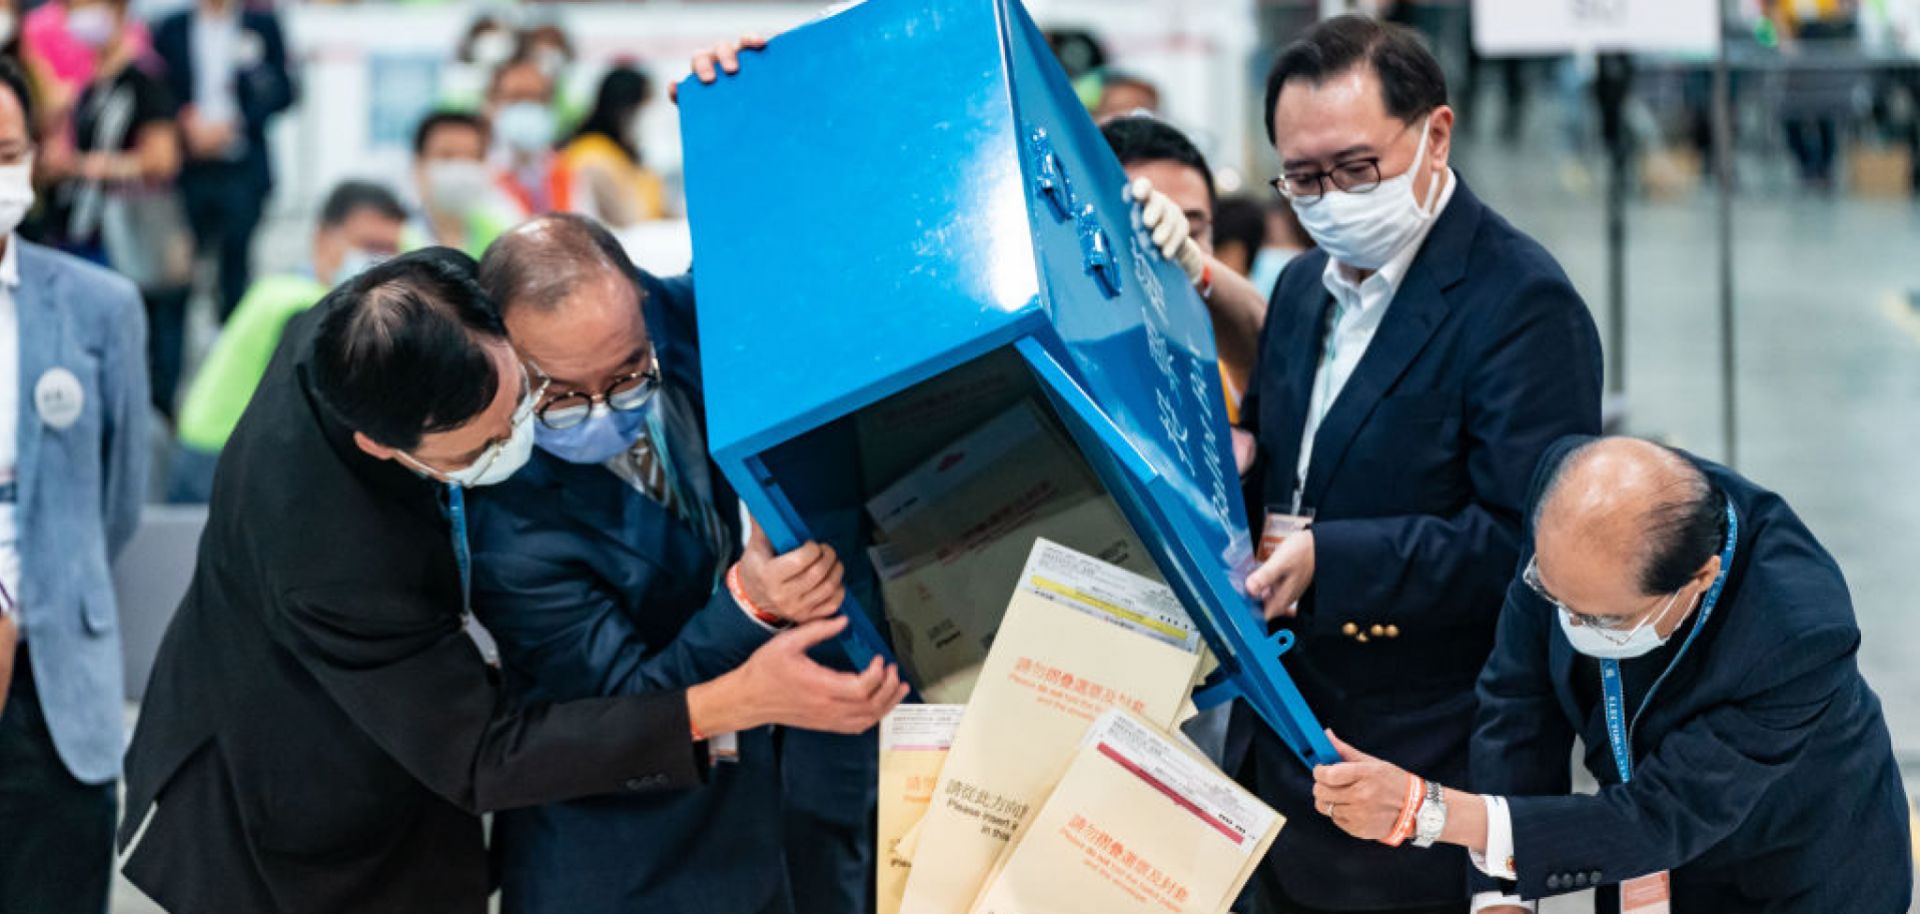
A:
1433,817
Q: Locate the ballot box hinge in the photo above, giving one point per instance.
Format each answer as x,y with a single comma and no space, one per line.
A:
1096,251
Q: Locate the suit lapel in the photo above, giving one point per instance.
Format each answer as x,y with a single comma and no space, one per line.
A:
1302,361
39,335
1411,318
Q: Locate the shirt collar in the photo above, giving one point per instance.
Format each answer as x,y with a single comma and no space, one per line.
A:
10,263
1339,279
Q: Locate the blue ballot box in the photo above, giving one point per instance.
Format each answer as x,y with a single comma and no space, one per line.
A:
913,249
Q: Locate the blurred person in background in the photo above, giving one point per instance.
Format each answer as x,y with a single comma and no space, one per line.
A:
488,43
548,46
227,66
1825,27
461,204
520,107
1123,94
60,47
1285,240
601,160
112,170
1081,55
360,225
1239,232
73,466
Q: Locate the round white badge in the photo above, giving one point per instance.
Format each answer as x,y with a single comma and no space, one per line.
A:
59,398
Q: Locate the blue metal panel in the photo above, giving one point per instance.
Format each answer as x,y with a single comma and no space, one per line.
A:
888,194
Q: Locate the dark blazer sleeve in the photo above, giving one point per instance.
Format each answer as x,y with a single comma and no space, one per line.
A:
1535,379
559,624
1699,783
176,63
415,684
1522,742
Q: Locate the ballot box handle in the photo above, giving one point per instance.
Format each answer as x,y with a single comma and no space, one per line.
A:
1049,176
1096,250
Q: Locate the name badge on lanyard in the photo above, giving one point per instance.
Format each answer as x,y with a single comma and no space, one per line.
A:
1653,893
463,557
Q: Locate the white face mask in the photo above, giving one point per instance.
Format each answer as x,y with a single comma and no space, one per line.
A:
7,24
16,194
500,460
525,127
1645,638
355,262
1364,231
457,186
492,49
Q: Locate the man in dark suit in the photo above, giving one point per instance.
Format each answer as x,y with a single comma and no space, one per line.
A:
1412,369
323,726
612,565
1692,632
226,64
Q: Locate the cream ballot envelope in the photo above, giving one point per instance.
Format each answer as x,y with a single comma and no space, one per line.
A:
1137,823
913,745
1080,636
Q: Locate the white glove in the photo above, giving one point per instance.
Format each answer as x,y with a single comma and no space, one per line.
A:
1169,228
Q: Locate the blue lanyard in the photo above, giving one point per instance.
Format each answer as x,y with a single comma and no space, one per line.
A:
463,558
1620,729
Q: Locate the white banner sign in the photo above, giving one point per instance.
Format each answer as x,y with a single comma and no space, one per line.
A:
1509,27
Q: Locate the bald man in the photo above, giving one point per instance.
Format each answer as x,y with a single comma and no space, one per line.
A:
1691,631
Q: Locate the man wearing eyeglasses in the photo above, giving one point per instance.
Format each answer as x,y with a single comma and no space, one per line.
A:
611,565
325,724
1689,629
1411,371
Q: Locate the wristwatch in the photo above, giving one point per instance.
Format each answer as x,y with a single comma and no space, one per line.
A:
1432,819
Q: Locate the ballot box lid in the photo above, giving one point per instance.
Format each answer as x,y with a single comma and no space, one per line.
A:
902,186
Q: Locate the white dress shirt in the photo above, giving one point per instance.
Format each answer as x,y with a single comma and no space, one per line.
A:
1358,309
1497,860
9,412
215,47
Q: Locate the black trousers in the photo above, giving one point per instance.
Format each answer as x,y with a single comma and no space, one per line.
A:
56,834
224,202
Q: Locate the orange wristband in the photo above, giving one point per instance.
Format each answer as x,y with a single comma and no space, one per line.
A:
698,737
739,592
1409,809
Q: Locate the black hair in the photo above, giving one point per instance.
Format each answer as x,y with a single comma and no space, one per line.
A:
350,197
622,91
1682,533
1139,138
1242,221
1077,50
1411,82
544,261
15,78
401,349
433,122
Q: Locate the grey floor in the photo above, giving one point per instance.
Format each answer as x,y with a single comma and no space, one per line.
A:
1828,348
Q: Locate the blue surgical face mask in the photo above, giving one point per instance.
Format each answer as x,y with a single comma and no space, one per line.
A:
1267,264
606,434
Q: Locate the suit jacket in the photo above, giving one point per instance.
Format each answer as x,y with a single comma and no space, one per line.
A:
1763,773
319,733
264,87
1485,356
79,490
593,589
